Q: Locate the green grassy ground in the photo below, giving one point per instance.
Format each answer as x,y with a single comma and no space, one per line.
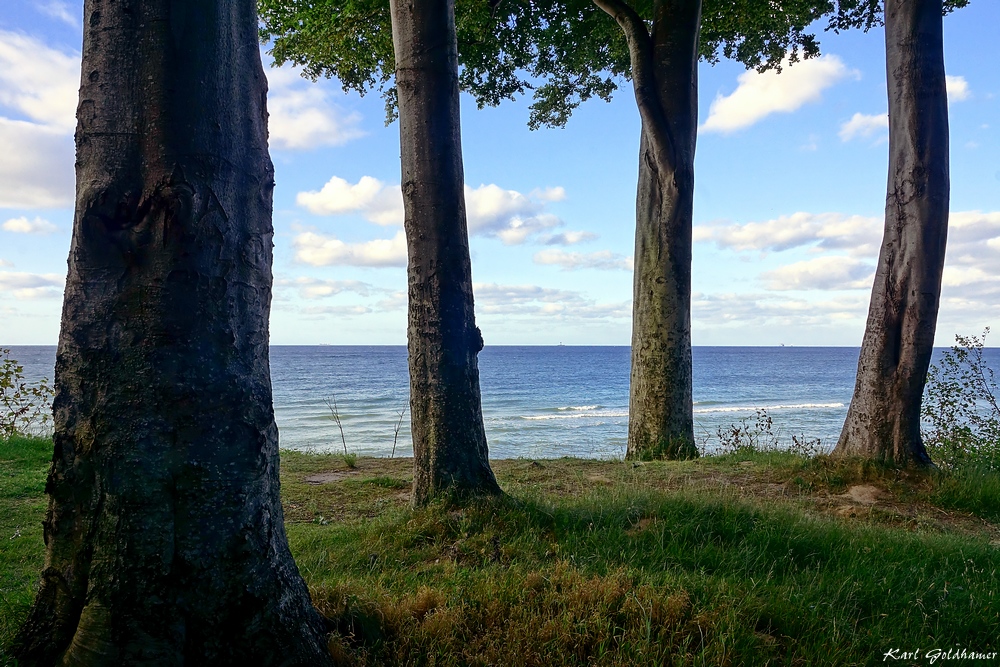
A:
742,560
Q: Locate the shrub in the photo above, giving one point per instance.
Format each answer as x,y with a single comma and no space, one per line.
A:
23,407
960,411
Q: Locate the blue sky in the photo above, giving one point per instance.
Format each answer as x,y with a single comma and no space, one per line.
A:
791,173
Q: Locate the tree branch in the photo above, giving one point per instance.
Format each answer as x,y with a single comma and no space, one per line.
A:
640,48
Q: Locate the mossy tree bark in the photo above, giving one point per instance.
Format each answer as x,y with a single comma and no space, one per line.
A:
449,440
665,76
883,421
164,536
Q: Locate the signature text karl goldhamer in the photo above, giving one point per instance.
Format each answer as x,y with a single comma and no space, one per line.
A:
935,654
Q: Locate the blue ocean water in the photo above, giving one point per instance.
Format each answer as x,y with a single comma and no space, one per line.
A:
544,402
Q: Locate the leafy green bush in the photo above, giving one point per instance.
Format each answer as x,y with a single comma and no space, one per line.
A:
961,415
23,407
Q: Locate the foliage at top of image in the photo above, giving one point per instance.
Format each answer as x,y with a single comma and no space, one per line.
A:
962,417
24,408
564,52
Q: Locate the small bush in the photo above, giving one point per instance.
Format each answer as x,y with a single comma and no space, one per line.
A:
961,415
751,435
24,408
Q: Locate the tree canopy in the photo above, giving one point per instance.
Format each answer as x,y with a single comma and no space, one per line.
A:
562,52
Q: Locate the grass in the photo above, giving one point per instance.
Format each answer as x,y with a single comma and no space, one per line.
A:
24,463
745,559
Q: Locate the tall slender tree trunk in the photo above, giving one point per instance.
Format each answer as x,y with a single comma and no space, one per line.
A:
449,440
164,536
665,76
883,421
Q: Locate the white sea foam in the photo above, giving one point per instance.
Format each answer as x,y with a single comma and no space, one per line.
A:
579,407
791,406
578,415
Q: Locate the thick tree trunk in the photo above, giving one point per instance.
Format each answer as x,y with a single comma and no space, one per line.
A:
449,440
665,76
661,423
883,421
164,536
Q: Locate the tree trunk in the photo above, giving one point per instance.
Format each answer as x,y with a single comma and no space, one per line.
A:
449,440
883,421
665,76
164,536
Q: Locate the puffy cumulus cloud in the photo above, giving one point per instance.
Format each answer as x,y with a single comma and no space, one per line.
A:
859,235
317,288
302,115
31,285
38,82
39,87
570,261
865,126
760,94
821,273
534,300
557,193
379,203
319,250
23,225
958,88
491,211
973,254
509,215
36,166
973,226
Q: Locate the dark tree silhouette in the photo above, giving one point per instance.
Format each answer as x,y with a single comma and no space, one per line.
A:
164,536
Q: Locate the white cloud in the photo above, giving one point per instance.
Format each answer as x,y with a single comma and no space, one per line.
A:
821,273
970,296
859,235
36,166
319,250
301,115
865,126
533,300
491,211
38,82
506,214
760,94
317,288
557,193
567,238
958,88
39,87
602,260
379,203
23,225
4,262
769,309
59,11
339,311
31,285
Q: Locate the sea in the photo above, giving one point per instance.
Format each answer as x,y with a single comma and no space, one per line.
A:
545,401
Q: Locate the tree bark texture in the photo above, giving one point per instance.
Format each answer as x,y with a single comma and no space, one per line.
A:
883,421
665,78
164,536
449,440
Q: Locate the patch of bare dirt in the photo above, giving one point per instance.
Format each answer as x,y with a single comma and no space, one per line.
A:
329,477
865,494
